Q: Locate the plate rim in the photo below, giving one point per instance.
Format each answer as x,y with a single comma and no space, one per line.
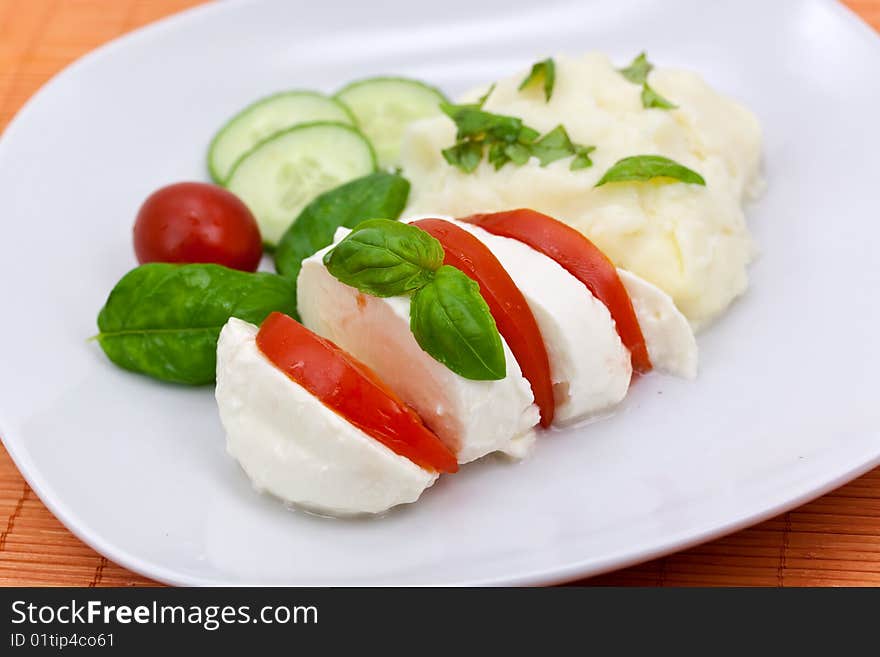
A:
815,486
590,567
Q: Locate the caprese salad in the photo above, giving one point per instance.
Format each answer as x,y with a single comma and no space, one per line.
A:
387,351
432,342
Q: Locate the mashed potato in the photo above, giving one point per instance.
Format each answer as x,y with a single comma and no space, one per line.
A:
691,241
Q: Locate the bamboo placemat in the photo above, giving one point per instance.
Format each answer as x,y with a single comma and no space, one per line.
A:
834,540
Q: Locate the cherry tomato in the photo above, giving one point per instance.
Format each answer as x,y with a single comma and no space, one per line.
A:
506,303
582,259
348,387
197,222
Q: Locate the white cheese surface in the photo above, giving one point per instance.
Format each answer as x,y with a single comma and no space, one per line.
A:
294,447
473,418
689,240
669,337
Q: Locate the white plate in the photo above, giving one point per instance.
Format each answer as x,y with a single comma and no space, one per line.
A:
785,406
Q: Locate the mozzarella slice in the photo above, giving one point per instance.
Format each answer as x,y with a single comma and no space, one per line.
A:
589,365
672,346
293,446
473,418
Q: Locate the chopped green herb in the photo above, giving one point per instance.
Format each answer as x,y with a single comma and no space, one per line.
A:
507,139
556,145
518,153
482,99
527,135
553,146
637,71
479,129
543,72
465,155
642,168
651,98
473,122
497,154
581,159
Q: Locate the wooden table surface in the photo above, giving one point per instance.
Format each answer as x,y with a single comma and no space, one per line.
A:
834,540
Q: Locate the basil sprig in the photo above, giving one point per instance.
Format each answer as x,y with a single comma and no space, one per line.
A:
163,320
449,318
637,73
648,167
544,73
507,139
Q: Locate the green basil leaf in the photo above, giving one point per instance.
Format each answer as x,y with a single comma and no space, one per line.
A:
163,320
556,145
542,72
385,258
553,146
377,195
651,99
637,71
517,153
465,155
581,159
649,167
451,321
498,154
501,153
473,122
478,129
482,99
507,140
527,135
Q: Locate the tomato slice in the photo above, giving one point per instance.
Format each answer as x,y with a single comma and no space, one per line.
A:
348,387
582,259
506,303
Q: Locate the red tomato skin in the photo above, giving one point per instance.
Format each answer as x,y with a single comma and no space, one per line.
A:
582,259
196,222
508,306
352,390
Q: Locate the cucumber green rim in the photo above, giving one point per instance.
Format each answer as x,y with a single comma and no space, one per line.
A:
270,246
390,78
212,172
304,126
411,82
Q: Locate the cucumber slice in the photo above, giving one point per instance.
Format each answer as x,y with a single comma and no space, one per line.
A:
383,108
279,176
266,117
